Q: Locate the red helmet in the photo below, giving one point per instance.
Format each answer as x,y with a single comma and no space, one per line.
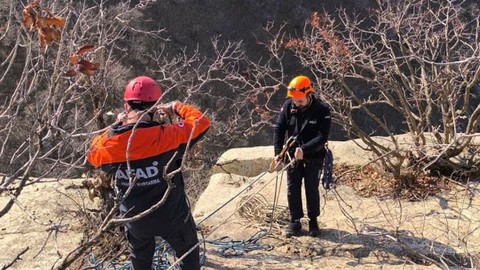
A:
142,88
299,87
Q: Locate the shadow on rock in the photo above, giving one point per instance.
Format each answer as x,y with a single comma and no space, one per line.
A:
391,247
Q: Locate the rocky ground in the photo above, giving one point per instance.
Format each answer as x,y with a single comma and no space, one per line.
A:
363,233
432,226
358,230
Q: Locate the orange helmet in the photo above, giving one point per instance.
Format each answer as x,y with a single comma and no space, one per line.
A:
299,87
143,89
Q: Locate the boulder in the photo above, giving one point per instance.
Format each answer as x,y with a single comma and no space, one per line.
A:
248,161
44,222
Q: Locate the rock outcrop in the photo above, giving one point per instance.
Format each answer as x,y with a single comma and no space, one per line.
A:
365,233
44,224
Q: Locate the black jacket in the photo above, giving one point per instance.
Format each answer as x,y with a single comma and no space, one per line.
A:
312,127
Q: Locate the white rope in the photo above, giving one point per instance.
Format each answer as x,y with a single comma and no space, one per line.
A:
179,260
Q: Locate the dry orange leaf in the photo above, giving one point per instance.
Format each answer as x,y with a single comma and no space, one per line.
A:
38,21
88,64
26,18
85,49
46,25
57,35
27,22
49,34
54,21
73,59
29,17
43,41
84,66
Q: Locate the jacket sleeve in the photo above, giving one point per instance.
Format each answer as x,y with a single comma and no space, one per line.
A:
194,125
96,146
318,142
152,141
280,129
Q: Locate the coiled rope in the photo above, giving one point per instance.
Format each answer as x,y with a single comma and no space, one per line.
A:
162,259
254,238
229,247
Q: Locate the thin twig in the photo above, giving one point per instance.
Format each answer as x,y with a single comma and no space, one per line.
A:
17,258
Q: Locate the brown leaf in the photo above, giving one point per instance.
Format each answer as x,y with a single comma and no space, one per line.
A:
29,17
54,21
57,35
27,21
71,73
87,67
73,58
26,18
85,49
85,71
50,34
88,64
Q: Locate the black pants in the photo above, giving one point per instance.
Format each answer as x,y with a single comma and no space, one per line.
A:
309,171
181,239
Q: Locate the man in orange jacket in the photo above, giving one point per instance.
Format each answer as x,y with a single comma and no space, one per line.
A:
135,151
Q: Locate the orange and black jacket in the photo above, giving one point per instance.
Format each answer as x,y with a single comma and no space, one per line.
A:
149,147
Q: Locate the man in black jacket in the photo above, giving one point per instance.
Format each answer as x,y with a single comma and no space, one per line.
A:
305,118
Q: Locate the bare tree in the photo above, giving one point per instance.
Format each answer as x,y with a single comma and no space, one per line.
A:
48,115
60,78
63,75
411,66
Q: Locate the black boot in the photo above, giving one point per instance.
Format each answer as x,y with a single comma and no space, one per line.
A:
313,229
293,228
